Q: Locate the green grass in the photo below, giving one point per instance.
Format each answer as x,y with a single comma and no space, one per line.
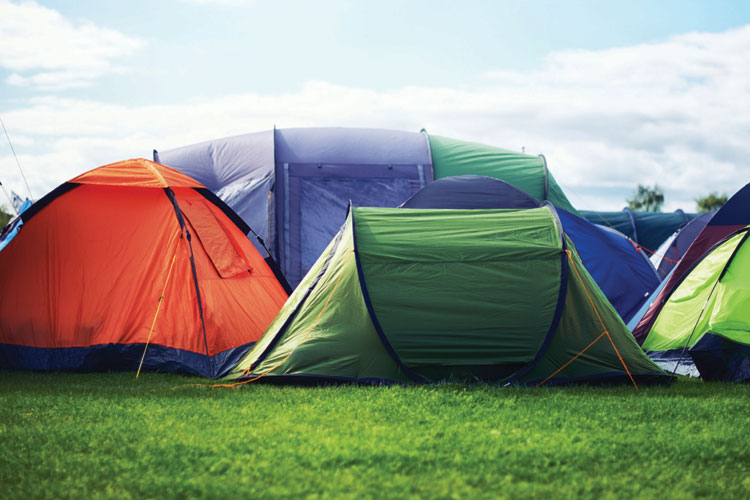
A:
108,435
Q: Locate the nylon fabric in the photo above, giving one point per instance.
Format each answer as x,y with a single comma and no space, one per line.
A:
727,312
295,300
332,335
451,157
222,252
578,327
487,278
136,173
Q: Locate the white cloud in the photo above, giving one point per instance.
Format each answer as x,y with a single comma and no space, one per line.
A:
675,113
45,50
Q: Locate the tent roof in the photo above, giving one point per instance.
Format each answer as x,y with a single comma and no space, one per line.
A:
470,192
137,172
351,146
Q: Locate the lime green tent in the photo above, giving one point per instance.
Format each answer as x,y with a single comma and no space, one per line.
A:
451,157
429,295
709,312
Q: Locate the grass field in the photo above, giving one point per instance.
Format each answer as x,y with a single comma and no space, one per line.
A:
111,436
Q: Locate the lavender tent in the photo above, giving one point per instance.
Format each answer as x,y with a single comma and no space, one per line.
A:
293,186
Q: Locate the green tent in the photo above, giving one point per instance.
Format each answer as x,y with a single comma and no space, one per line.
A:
451,157
429,295
709,312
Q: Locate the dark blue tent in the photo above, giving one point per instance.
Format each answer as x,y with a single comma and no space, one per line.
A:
624,273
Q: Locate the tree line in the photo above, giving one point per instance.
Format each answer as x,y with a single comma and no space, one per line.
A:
651,199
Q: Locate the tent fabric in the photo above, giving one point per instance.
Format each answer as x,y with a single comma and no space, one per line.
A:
238,169
624,273
470,192
719,281
733,216
712,300
110,245
671,251
428,295
451,157
648,229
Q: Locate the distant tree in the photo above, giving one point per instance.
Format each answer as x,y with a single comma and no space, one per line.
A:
713,201
649,199
4,218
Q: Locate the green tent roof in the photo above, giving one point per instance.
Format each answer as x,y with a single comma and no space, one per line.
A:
430,295
451,157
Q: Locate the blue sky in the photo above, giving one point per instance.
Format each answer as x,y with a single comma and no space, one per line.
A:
613,93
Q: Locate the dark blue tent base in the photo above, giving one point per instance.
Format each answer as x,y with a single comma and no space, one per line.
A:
718,358
119,357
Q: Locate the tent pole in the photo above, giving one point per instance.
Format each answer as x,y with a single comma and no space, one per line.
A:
10,200
183,227
17,162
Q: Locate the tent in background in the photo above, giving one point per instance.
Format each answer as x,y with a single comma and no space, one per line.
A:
293,186
125,255
734,215
671,251
709,312
648,229
623,273
451,157
14,226
428,295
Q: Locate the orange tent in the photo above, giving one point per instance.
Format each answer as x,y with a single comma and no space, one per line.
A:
129,258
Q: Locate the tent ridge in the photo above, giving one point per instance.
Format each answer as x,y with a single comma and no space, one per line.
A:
183,226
